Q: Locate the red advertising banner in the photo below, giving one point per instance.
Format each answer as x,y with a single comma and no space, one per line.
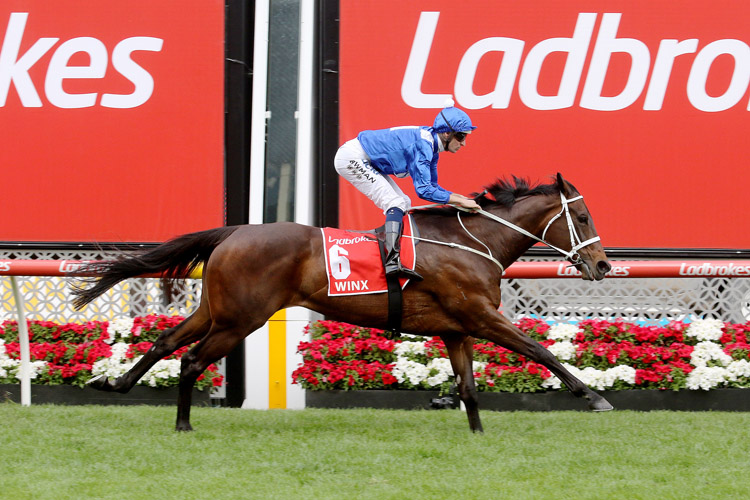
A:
642,105
112,119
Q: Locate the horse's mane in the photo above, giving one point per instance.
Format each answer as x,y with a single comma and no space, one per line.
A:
502,193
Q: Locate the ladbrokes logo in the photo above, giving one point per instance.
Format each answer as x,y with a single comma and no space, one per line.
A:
15,66
576,49
713,269
616,271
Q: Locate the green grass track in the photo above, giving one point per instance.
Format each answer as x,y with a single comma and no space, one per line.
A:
124,453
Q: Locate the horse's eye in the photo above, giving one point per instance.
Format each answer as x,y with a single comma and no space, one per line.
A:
583,219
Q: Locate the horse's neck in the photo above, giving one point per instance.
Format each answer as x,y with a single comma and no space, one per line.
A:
531,213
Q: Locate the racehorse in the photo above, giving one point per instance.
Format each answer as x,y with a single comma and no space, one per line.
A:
252,271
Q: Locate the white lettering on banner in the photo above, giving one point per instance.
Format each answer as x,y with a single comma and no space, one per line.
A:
14,68
4,266
568,270
411,87
69,267
708,269
576,49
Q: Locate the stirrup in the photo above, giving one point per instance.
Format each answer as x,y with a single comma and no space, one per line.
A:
398,269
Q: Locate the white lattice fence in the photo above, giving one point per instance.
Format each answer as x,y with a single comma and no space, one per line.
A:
48,298
648,300
637,299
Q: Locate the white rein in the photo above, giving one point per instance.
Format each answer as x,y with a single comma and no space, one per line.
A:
575,241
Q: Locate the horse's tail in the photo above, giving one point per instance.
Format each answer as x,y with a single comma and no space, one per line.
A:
175,259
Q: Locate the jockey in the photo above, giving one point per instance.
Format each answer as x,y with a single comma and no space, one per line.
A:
368,161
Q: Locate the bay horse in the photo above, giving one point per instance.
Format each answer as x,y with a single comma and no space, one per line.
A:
252,271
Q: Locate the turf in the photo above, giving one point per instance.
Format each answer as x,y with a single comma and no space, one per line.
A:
99,452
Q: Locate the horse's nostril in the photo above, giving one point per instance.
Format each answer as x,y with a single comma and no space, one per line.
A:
603,266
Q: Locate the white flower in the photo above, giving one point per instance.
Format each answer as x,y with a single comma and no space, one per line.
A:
8,366
443,369
592,377
552,383
738,369
115,365
478,366
164,369
624,373
11,368
110,368
407,347
706,377
121,327
707,351
406,369
119,350
563,350
705,329
563,331
36,368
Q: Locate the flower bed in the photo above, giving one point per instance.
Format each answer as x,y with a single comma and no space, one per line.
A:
606,355
71,354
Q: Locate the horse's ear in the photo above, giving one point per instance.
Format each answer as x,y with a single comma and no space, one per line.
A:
561,184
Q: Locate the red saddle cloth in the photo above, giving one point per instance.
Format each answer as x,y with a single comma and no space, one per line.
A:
353,263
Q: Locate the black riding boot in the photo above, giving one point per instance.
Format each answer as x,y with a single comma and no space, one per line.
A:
392,252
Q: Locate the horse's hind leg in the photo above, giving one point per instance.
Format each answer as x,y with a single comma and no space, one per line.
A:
218,343
461,354
187,332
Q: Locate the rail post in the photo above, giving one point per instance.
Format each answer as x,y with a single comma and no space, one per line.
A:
23,340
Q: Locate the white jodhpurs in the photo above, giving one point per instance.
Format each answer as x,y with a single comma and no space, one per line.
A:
353,164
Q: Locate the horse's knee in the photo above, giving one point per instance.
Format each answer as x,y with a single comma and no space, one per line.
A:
190,366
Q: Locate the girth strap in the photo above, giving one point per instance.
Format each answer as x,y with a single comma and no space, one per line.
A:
395,294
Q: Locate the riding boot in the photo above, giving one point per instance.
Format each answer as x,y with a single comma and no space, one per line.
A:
393,252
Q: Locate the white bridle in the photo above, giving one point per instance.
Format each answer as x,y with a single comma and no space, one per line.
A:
575,240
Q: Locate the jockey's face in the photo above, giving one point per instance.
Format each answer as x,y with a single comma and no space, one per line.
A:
454,141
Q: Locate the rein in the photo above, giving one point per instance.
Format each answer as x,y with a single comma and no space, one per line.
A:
487,255
575,240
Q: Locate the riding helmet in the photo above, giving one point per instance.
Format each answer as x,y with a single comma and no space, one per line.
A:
457,120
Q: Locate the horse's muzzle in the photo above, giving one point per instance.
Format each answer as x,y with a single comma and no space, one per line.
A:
595,272
602,268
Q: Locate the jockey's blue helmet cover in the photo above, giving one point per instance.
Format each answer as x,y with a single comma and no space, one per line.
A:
458,120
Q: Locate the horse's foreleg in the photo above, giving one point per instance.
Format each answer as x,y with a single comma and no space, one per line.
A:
187,332
498,329
461,354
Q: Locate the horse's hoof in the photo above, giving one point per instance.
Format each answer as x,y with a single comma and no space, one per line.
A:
100,383
601,405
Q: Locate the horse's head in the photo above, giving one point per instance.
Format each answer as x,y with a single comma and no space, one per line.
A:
573,231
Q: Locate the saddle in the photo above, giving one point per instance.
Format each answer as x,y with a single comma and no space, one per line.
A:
355,265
